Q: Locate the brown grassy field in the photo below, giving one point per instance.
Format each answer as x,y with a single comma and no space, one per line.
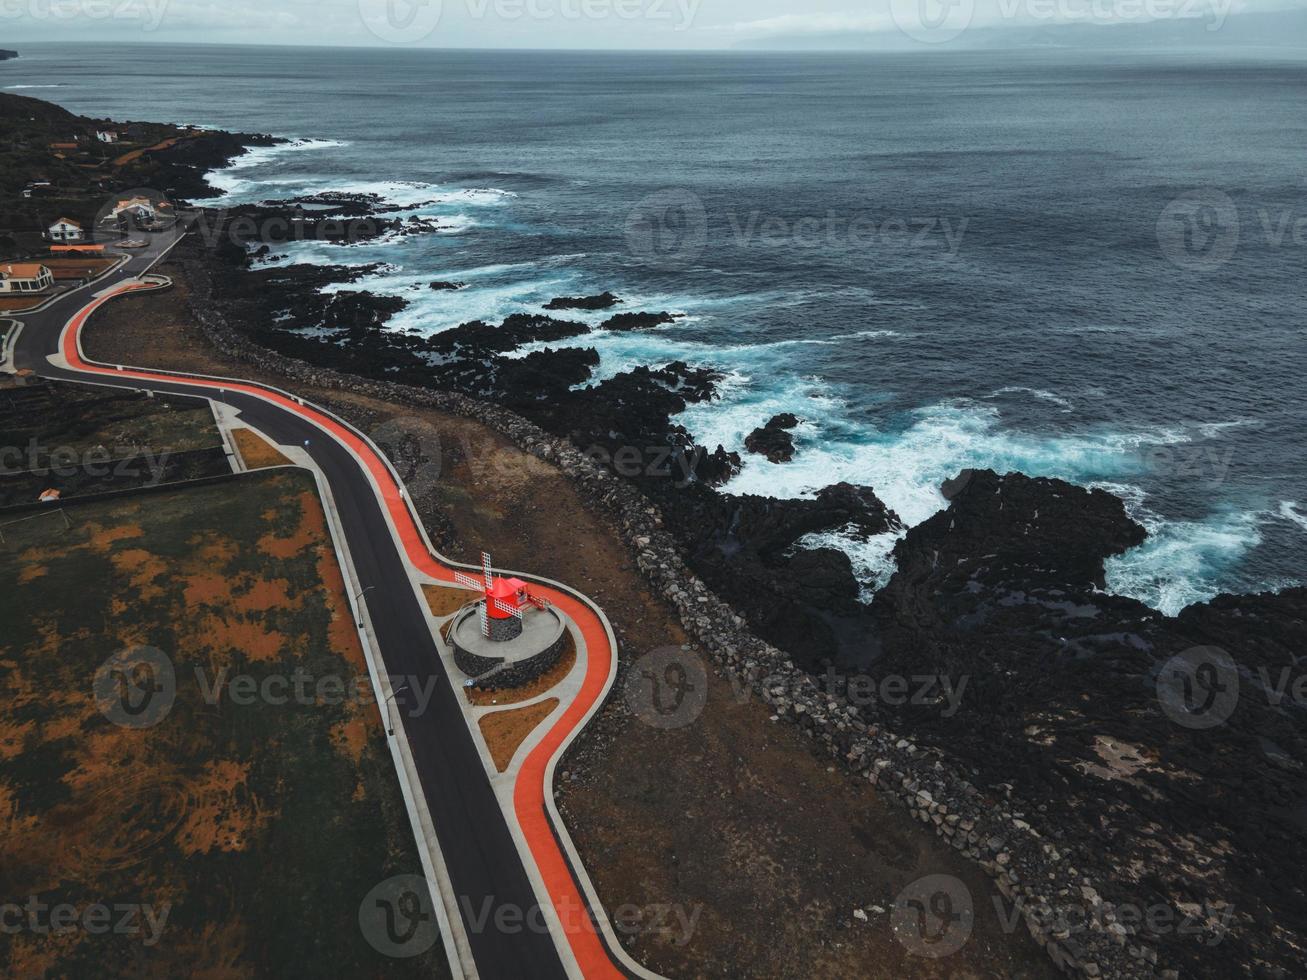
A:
258,827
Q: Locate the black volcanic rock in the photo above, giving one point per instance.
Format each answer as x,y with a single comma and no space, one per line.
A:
774,440
601,302
478,338
637,321
7,55
1002,592
803,600
440,284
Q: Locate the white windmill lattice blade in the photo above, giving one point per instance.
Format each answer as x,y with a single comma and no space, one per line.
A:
504,607
468,581
485,620
485,570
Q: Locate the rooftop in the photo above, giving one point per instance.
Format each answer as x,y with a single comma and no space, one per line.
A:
23,270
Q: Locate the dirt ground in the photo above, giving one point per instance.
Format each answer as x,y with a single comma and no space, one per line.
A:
256,452
732,821
76,268
137,769
504,731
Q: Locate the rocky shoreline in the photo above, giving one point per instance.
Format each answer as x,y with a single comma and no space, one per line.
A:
1041,744
1058,769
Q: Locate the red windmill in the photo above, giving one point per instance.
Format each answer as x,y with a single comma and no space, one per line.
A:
504,600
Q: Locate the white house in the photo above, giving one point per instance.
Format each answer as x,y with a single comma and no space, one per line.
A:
138,209
65,230
25,277
106,136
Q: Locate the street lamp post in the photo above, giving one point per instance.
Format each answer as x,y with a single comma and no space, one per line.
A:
390,730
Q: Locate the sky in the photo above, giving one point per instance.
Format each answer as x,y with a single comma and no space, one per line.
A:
657,24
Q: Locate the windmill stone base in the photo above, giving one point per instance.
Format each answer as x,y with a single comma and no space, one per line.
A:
503,630
530,646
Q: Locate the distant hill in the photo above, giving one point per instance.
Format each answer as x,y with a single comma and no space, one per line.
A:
1278,32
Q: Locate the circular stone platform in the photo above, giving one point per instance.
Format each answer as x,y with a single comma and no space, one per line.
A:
507,663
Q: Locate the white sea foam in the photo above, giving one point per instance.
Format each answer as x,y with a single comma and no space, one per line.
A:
1182,561
1038,393
15,87
1216,430
237,185
1290,512
872,560
907,466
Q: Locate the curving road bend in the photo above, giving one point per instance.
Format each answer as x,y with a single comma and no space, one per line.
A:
517,858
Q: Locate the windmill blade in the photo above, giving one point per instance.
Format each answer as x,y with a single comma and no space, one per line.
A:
504,607
485,620
485,570
468,581
536,601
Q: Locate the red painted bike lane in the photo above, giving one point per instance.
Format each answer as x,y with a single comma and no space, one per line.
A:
529,790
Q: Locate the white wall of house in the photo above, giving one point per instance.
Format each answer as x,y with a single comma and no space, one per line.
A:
61,232
12,284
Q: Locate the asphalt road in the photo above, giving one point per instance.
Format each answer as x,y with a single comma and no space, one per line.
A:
483,862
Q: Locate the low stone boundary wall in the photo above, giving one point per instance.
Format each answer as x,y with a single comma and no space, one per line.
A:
1028,867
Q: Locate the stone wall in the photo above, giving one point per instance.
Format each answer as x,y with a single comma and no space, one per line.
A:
1030,864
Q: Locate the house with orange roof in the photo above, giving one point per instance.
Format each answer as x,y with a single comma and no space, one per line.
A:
24,277
65,230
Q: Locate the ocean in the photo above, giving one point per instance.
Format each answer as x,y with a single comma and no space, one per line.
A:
1081,266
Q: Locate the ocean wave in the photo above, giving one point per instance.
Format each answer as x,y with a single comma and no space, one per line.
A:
1215,430
15,87
1289,511
866,334
906,465
236,185
1039,393
873,559
1183,562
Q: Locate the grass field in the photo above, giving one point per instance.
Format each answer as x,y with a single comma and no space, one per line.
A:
38,420
258,827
